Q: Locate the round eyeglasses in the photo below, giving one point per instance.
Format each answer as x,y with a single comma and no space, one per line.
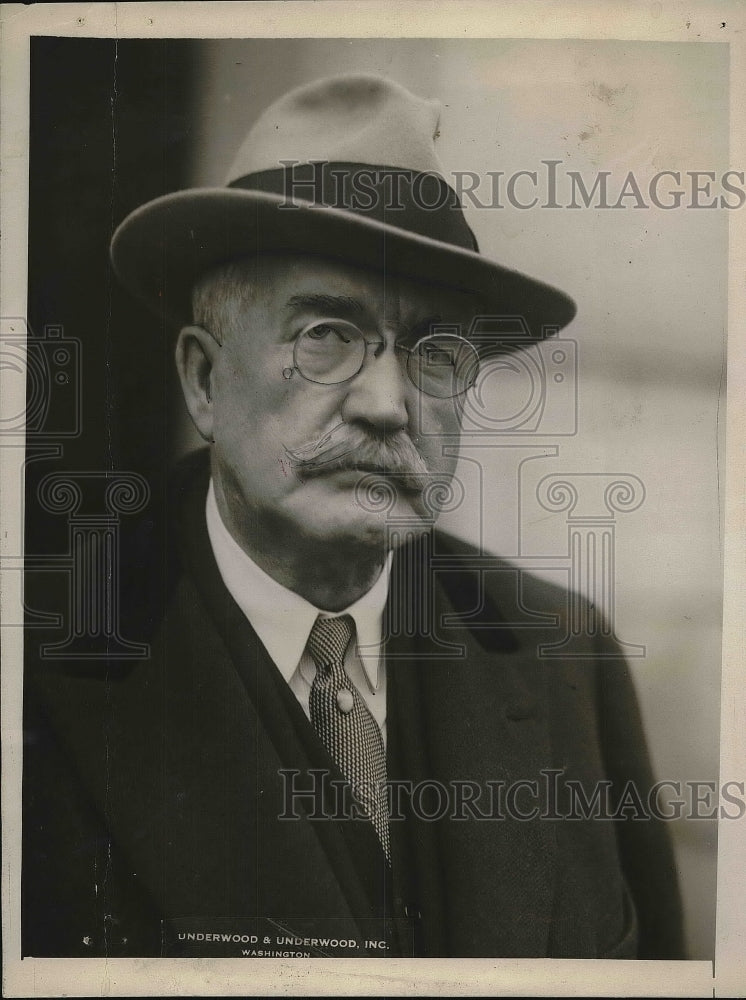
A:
329,351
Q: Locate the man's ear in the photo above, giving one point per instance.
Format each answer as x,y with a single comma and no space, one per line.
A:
196,353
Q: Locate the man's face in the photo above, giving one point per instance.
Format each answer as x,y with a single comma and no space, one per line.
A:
298,461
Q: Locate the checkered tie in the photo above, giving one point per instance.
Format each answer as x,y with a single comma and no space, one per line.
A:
342,719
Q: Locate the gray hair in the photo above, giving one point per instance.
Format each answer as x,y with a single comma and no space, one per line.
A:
219,296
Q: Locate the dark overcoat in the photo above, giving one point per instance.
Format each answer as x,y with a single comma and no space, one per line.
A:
158,796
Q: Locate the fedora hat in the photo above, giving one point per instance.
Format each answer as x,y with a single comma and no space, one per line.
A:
343,167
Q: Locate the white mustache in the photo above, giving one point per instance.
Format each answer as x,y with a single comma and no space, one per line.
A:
349,447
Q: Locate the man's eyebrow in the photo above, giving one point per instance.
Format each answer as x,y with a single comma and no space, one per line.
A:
330,304
346,305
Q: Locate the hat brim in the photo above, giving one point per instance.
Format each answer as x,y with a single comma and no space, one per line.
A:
163,247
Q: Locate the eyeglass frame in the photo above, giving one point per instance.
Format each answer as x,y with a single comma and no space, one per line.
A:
410,351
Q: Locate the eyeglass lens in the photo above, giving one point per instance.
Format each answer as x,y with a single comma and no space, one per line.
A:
331,350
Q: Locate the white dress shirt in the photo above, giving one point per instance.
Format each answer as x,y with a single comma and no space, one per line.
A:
283,620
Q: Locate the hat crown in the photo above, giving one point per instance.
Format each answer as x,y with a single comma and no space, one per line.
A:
344,167
357,118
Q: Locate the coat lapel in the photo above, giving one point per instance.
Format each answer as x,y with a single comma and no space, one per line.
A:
343,857
182,759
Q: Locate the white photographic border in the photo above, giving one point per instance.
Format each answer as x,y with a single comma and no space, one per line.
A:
698,22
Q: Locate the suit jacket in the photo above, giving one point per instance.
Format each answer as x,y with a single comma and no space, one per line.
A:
157,796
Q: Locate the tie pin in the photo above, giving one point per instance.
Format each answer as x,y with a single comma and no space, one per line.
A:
345,700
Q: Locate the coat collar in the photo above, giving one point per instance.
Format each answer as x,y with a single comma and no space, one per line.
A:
283,619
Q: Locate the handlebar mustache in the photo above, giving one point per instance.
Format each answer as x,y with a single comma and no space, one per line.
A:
350,447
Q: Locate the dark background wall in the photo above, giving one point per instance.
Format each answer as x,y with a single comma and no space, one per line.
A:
110,128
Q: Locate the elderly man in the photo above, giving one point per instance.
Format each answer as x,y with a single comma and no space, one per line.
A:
338,745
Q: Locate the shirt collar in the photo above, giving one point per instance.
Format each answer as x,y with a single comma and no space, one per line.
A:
283,619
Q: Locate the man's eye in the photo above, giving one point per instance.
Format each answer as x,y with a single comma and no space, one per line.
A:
319,332
324,331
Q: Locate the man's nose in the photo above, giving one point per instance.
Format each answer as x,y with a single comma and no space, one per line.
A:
377,395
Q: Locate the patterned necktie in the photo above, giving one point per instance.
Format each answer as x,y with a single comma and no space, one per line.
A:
342,719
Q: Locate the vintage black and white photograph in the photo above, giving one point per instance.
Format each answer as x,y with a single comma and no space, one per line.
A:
366,596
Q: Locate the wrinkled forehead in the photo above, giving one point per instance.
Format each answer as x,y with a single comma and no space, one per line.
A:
282,280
